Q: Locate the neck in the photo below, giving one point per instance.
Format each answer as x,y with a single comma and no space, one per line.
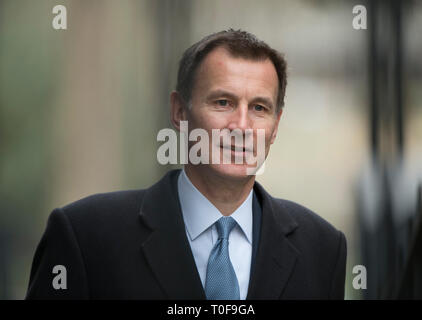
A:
226,194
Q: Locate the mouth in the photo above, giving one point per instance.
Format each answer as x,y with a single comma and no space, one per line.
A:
236,148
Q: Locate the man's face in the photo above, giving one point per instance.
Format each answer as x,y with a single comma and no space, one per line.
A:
234,93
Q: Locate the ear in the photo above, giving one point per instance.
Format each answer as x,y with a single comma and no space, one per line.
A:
274,134
177,110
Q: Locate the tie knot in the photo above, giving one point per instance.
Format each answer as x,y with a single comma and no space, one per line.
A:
224,226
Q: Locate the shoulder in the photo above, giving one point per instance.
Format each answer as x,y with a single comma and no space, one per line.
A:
322,249
103,208
310,227
295,218
304,217
113,213
106,201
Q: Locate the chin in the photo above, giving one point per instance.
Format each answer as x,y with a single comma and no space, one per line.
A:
231,171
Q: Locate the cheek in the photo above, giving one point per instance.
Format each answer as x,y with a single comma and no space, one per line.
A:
268,139
196,120
269,132
211,121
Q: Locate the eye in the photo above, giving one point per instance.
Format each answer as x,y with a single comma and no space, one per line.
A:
222,102
259,108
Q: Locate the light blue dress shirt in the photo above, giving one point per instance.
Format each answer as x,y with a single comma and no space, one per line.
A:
199,215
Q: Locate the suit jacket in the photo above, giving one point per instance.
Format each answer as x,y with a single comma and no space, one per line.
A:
133,245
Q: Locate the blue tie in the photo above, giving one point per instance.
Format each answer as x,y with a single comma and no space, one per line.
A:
221,282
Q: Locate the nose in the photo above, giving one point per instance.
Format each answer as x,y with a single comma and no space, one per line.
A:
239,119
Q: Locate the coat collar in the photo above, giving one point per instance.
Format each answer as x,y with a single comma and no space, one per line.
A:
276,256
168,252
167,249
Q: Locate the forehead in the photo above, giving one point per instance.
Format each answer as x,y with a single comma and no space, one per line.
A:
221,68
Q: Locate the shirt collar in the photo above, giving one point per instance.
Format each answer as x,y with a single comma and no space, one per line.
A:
199,213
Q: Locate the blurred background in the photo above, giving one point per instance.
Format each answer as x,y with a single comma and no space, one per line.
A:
80,110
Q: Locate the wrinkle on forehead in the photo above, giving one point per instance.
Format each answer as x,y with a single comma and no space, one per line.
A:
245,77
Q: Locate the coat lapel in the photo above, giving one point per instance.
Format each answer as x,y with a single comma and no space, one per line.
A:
168,253
276,256
166,248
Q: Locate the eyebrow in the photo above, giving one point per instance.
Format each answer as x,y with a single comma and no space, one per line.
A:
223,93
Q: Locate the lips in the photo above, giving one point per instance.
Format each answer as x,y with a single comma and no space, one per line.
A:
236,148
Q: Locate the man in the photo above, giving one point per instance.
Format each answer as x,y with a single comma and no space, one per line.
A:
208,231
